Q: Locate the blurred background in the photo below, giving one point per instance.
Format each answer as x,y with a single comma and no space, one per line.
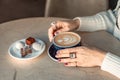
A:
17,9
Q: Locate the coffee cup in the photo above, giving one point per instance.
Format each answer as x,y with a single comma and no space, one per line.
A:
66,40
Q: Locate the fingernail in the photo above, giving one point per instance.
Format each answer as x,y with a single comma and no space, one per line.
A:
66,63
59,60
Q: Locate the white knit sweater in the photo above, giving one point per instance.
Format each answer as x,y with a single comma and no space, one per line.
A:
105,21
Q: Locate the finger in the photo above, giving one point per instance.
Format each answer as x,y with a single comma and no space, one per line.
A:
60,30
50,34
62,26
64,55
55,26
67,60
51,31
76,64
65,52
72,64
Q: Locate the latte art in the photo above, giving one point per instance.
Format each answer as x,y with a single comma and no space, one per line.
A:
67,39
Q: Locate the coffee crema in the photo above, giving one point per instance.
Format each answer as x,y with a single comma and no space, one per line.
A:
66,39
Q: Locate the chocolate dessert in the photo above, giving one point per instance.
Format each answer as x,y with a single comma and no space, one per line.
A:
27,49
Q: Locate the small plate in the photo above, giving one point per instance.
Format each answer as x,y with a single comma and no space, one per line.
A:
52,52
15,53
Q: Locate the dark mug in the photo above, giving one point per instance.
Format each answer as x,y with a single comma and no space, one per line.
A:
66,40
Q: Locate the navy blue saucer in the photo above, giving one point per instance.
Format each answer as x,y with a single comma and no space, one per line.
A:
52,52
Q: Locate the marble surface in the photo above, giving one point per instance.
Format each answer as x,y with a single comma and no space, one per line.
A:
42,67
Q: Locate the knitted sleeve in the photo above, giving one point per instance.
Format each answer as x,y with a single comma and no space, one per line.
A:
100,21
111,64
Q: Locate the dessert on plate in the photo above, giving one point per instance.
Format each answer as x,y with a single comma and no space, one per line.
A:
26,47
19,45
36,46
30,41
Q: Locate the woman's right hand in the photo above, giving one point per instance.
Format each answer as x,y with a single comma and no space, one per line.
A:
84,56
62,26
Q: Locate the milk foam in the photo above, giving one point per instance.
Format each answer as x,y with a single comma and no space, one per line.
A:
67,39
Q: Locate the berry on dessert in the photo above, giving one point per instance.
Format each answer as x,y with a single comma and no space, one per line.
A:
30,41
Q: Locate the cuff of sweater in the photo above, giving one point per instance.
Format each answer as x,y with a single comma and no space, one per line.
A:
78,18
86,23
111,64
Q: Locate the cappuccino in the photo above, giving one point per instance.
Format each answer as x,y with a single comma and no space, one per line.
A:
66,39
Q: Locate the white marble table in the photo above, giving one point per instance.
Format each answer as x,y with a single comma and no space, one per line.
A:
42,67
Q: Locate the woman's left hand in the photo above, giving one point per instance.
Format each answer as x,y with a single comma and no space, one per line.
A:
85,57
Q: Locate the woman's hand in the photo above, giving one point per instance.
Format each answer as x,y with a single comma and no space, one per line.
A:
62,26
85,57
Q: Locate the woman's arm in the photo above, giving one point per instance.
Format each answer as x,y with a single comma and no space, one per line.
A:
111,64
101,21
